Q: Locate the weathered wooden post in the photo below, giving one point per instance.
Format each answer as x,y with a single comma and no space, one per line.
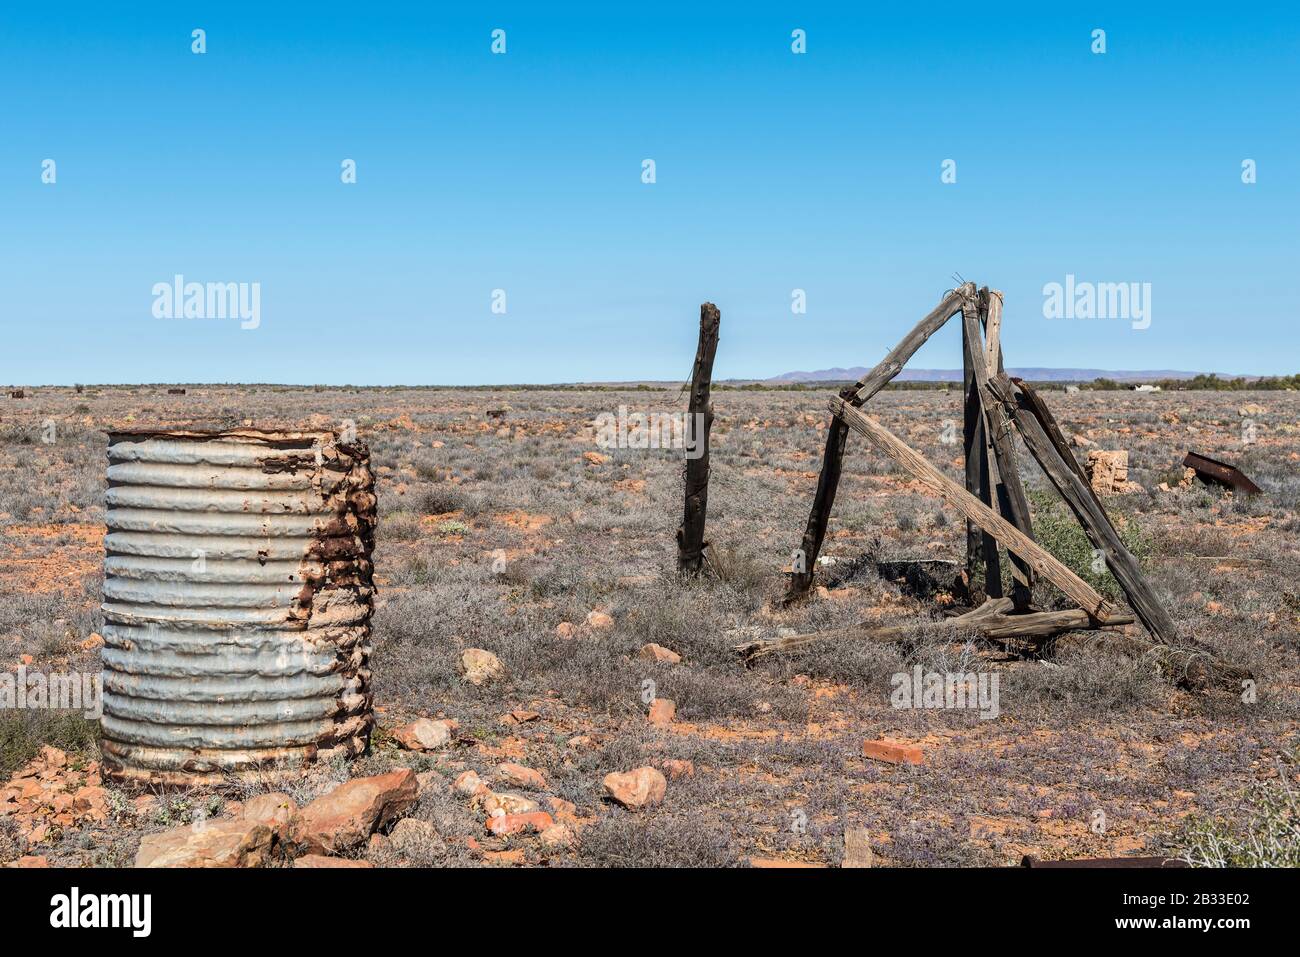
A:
690,537
981,549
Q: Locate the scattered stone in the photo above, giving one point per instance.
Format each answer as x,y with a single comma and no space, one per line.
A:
581,741
221,843
1252,408
565,630
275,810
479,666
662,711
520,716
893,753
638,788
93,641
1081,441
92,802
522,777
425,734
1108,472
562,809
653,652
468,784
350,813
411,836
506,824
599,621
595,458
558,836
499,803
676,768
857,848
320,860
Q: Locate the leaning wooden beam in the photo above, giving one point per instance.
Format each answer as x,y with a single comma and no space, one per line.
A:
690,537
972,508
1009,493
981,549
828,481
1055,461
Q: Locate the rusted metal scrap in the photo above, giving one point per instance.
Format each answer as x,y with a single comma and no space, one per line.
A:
1212,470
238,593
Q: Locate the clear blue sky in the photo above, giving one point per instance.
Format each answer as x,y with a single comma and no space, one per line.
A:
775,171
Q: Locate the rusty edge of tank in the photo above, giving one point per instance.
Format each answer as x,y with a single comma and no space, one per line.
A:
337,556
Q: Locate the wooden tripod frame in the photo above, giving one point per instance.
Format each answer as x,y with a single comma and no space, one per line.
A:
994,504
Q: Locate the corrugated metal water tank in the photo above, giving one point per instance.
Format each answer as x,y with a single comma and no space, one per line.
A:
238,594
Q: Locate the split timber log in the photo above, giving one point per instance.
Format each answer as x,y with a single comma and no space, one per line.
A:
828,480
972,508
1035,425
990,620
1009,493
690,537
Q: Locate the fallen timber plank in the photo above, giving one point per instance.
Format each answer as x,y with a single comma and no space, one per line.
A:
1055,461
990,620
828,480
972,508
690,536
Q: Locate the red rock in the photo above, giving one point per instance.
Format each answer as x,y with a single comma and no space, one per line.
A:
562,809
520,716
321,861
350,813
599,621
221,843
425,734
595,458
662,711
893,753
506,824
30,861
565,630
653,652
275,810
677,769
468,784
638,788
557,836
522,777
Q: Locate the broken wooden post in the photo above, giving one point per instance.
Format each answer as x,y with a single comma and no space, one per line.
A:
981,550
1056,461
690,536
828,480
1008,492
972,508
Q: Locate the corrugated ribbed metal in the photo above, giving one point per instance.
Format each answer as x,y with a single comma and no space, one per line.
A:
237,601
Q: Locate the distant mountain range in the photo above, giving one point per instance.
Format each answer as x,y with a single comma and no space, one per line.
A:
1032,374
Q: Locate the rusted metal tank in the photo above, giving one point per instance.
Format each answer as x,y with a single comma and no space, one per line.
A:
238,594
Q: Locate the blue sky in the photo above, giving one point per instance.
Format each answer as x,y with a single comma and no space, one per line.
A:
522,172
